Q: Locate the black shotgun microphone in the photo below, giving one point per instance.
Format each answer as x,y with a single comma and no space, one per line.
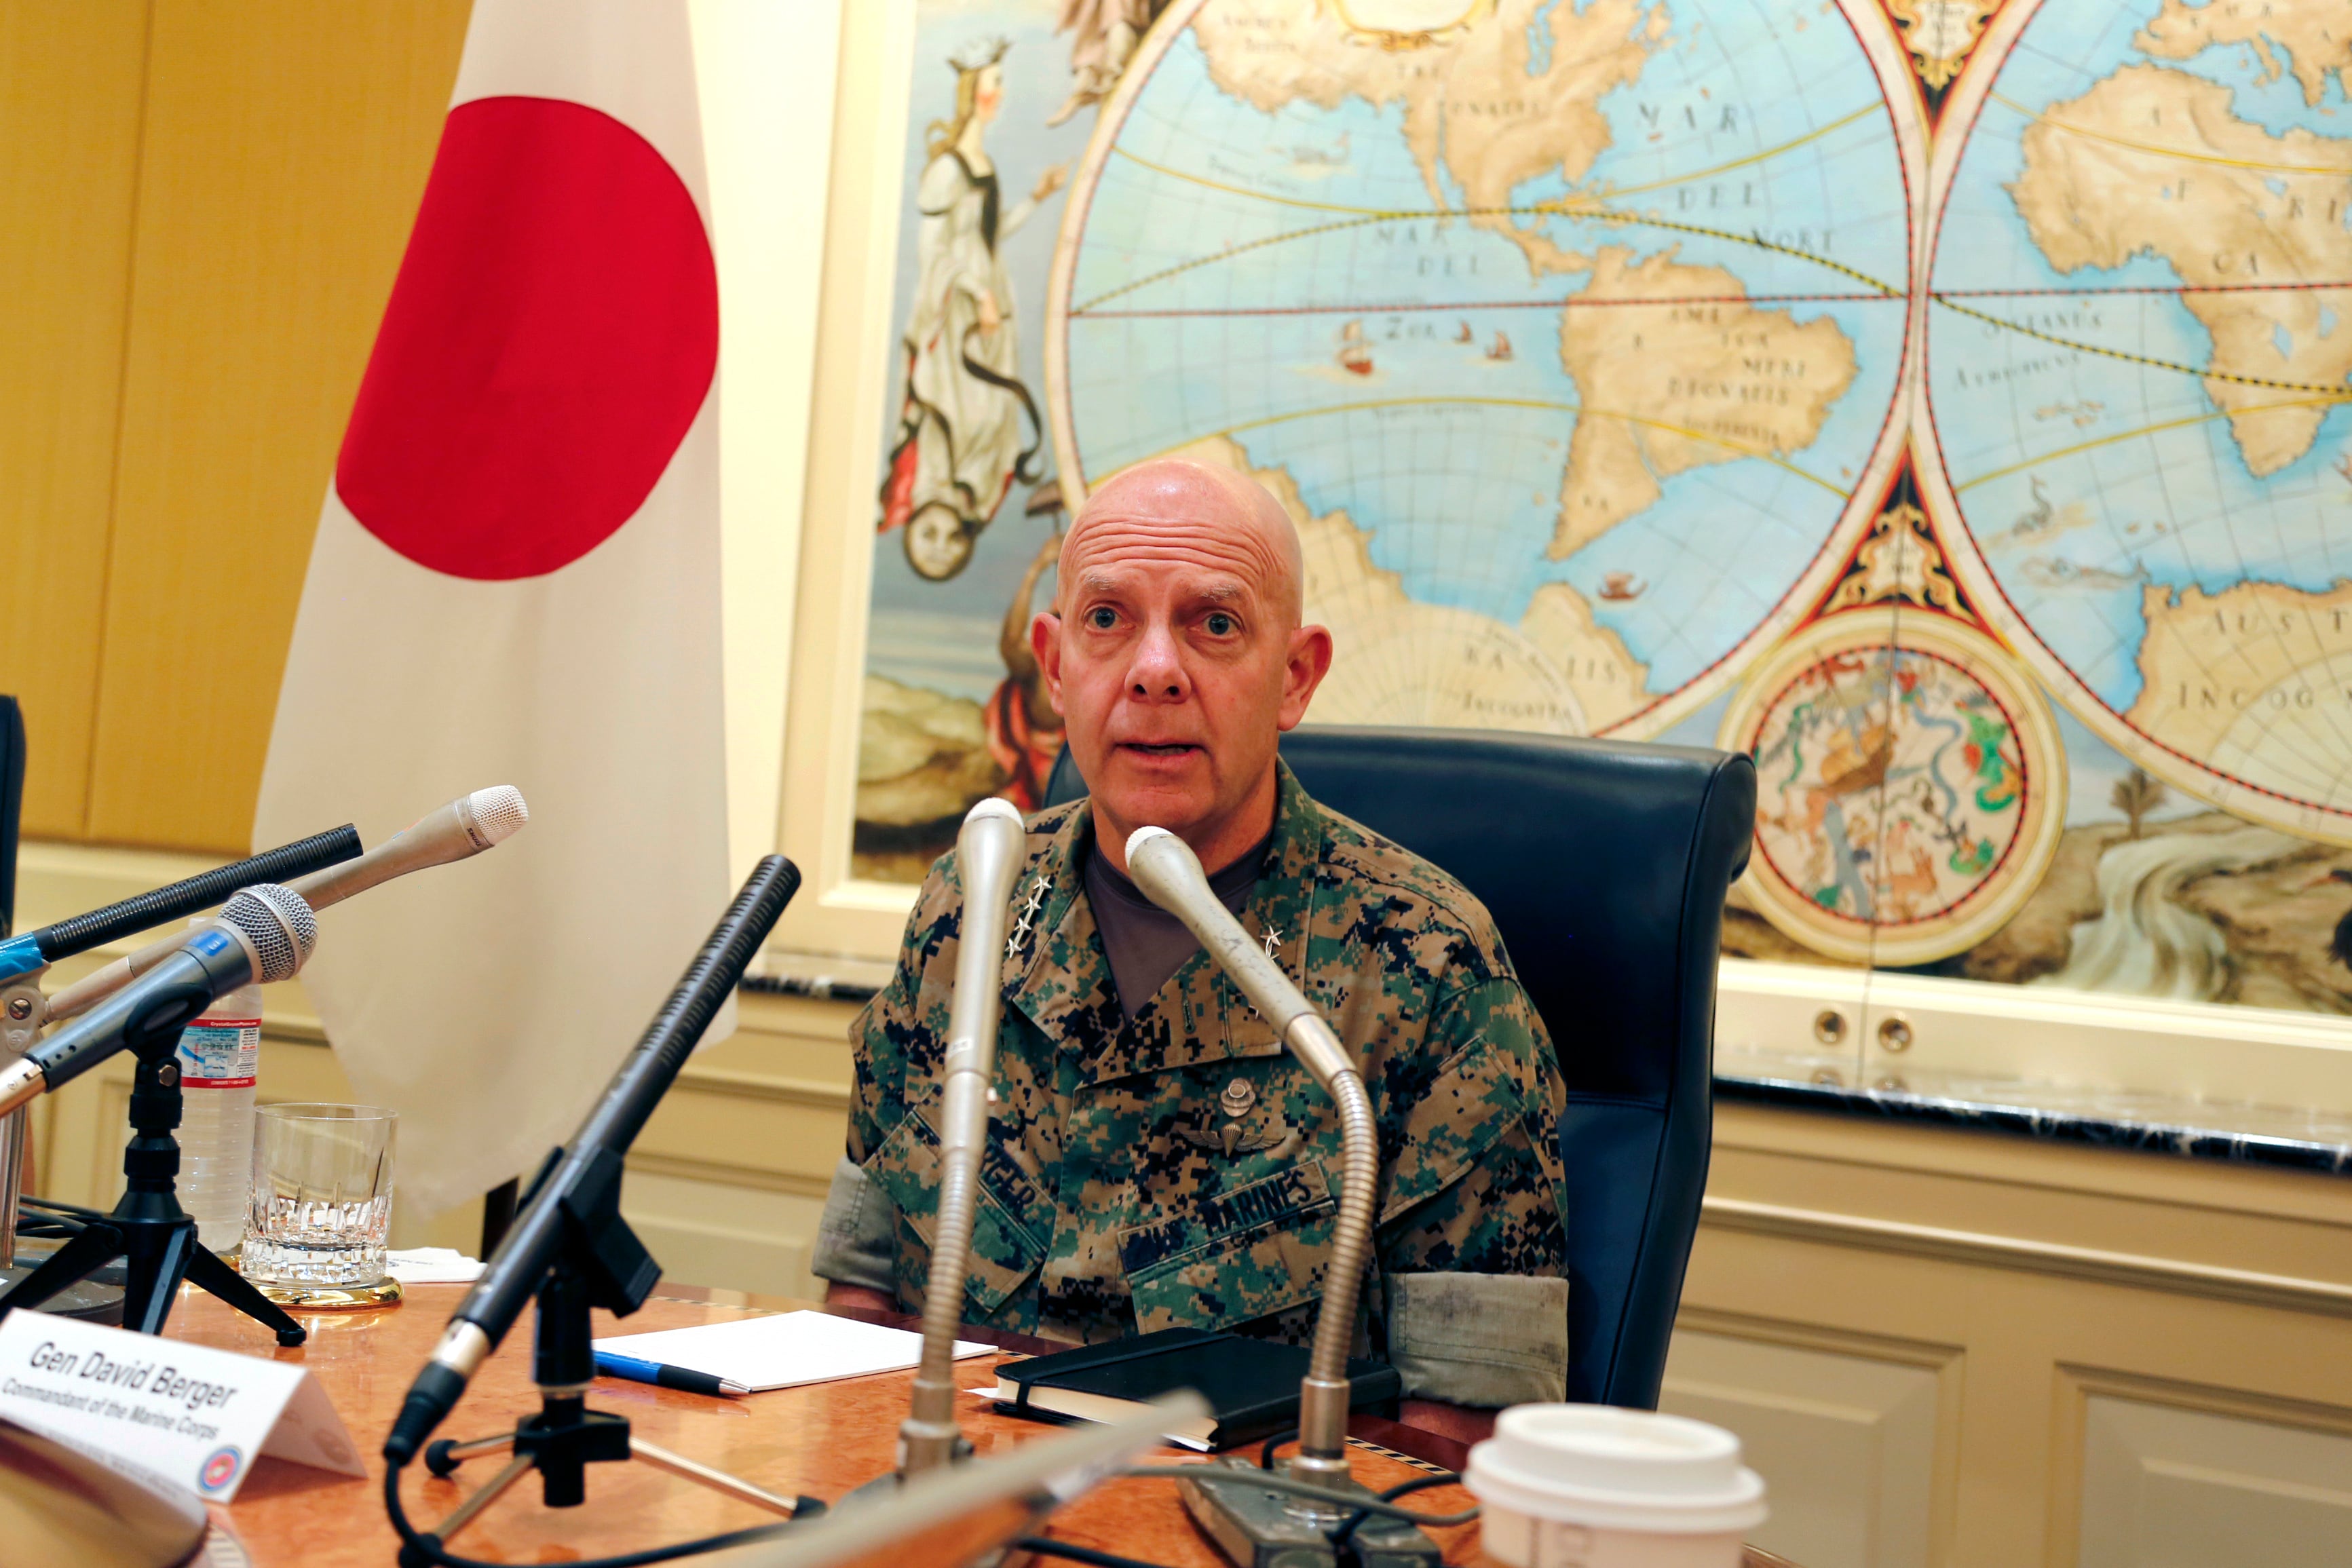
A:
576,1199
24,955
262,935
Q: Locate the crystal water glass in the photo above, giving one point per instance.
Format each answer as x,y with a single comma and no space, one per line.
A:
321,1208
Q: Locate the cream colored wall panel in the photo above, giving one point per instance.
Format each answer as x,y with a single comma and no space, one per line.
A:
71,84
2171,1488
766,1143
1846,1442
2249,1217
711,1233
287,143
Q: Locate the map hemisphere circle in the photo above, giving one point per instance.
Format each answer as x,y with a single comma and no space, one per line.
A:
1910,787
1555,624
2173,583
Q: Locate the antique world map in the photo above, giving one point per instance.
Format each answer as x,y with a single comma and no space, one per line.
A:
1943,401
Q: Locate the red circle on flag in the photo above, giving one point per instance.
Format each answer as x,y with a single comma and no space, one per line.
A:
550,337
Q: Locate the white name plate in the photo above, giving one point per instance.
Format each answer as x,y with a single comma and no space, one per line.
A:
197,1415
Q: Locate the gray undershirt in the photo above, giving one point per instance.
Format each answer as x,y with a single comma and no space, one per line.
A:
1144,943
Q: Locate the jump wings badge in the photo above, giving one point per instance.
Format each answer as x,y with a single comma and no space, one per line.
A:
1233,1138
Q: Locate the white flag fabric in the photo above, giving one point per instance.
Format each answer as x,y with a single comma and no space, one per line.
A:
516,580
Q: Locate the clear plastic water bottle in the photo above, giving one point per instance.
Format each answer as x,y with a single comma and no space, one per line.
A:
220,1060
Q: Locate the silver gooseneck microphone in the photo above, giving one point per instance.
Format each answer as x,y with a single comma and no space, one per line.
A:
465,826
1165,868
989,853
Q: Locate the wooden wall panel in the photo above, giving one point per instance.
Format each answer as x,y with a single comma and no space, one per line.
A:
1845,1431
287,143
2167,1487
70,86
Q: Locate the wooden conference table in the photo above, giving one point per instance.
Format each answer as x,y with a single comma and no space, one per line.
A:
820,1440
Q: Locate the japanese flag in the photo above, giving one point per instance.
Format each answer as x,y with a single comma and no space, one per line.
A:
515,582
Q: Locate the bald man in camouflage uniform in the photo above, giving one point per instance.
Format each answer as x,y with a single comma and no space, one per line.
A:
1156,1158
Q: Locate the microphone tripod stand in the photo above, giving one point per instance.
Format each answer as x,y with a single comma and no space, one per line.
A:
148,1228
599,1263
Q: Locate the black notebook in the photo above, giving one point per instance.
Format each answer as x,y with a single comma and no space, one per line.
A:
1251,1384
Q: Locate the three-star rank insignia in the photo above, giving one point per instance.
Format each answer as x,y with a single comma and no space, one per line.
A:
1025,912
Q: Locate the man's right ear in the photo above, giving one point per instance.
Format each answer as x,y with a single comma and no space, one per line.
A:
1045,642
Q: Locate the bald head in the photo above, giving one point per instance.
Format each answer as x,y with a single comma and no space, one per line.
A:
1185,507
1175,654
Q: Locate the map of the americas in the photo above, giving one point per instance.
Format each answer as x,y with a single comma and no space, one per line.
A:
1503,312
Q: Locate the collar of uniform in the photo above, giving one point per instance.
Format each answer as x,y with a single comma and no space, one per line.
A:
1058,976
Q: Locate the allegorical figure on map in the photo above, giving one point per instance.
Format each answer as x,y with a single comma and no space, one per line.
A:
1103,36
968,427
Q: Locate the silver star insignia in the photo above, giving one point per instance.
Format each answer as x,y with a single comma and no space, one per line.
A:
1272,940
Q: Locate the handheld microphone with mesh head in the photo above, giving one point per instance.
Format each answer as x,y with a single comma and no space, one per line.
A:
465,826
264,935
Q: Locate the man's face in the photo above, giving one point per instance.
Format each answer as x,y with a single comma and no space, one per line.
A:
1176,658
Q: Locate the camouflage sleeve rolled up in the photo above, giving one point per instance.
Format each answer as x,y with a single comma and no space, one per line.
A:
1472,1235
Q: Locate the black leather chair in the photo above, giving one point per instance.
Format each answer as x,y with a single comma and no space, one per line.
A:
1606,864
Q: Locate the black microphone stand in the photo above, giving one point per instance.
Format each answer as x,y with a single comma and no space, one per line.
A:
599,1263
569,1234
148,1228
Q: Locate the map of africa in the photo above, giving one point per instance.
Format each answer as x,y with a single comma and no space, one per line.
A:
1573,335
2135,369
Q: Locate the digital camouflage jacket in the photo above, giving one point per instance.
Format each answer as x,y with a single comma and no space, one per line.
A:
1180,1167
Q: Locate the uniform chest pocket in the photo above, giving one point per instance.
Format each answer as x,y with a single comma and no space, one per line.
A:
1005,1245
1228,1258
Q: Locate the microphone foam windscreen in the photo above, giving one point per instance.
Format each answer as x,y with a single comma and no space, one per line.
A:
279,926
499,811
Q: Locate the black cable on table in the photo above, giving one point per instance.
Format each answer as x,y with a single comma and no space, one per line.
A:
1265,1454
422,1546
1046,1546
1346,1530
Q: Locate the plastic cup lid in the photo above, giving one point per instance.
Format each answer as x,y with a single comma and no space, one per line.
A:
1624,1469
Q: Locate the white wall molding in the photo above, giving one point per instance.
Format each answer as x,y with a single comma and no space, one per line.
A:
2133,1269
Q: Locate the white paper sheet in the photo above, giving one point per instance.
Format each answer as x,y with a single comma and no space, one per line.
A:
782,1350
432,1266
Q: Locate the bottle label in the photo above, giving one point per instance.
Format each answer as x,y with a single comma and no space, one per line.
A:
220,1053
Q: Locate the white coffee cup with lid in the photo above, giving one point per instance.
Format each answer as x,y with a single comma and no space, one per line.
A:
1591,1486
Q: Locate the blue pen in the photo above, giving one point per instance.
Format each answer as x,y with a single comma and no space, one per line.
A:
677,1378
